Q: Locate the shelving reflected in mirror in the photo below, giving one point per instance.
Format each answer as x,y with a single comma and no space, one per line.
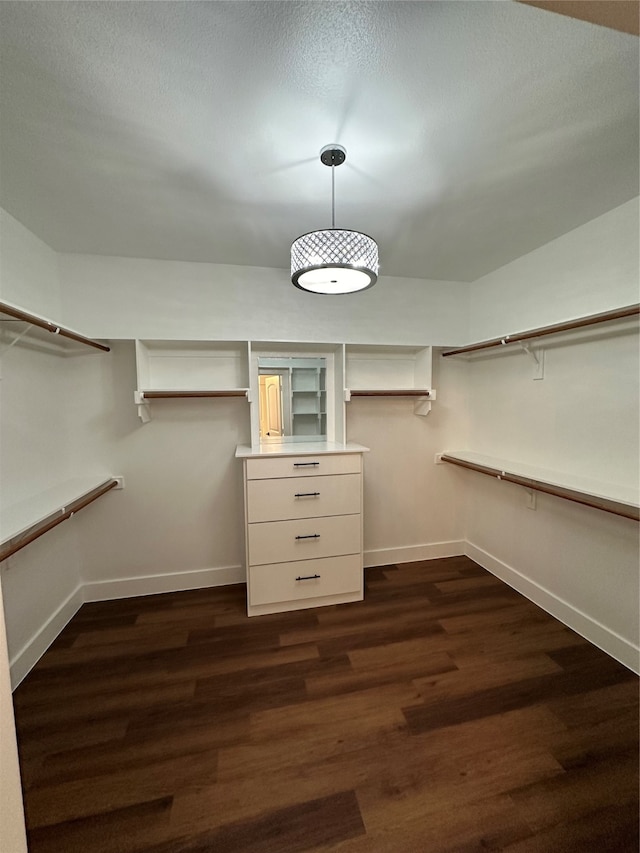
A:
292,398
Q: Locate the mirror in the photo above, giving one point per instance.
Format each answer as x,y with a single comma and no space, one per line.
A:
293,398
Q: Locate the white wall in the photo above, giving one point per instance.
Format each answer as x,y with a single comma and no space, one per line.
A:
135,298
413,509
41,416
582,418
591,269
178,522
28,270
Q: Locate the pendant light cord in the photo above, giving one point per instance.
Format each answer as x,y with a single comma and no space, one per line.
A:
333,195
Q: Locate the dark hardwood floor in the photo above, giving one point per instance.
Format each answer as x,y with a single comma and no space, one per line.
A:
443,713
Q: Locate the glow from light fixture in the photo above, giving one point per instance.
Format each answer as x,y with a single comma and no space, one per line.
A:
335,260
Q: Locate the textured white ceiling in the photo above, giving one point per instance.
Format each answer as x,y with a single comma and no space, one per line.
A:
476,130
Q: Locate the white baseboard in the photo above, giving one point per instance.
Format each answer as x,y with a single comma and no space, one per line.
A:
24,661
412,553
155,584
604,638
29,655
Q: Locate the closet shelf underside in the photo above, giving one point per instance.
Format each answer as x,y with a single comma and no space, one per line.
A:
27,520
609,497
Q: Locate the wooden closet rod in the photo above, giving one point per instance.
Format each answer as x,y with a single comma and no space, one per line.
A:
414,392
37,530
161,395
606,505
543,331
18,314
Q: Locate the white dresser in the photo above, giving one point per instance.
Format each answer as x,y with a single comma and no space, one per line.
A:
303,525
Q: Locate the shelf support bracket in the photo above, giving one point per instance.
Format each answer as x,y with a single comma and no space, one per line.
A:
423,404
143,406
538,360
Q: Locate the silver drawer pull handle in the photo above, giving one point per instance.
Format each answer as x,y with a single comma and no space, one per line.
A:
304,464
310,536
307,577
307,495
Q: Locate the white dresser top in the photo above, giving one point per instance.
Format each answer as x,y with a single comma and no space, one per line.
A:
297,448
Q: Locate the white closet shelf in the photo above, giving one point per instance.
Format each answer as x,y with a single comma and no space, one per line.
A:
609,497
23,323
628,311
25,521
182,369
389,372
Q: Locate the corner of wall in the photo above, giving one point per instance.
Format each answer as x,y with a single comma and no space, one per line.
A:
562,279
29,269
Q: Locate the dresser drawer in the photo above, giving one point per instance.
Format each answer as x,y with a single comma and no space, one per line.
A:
304,539
303,466
278,500
294,581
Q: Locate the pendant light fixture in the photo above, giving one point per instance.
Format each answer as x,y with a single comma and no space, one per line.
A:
335,260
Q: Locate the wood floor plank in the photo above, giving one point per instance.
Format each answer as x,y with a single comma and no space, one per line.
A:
584,745
311,767
489,824
293,829
508,643
395,632
80,674
379,752
47,741
507,697
323,727
129,634
475,622
118,831
463,584
613,829
207,660
130,751
579,791
170,639
597,706
56,803
257,688
444,713
433,779
247,796
418,651
181,719
463,680
111,705
362,678
78,683
374,628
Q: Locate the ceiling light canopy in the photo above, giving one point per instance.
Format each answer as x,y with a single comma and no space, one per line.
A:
334,260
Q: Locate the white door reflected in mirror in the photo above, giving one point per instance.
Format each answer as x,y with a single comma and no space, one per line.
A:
271,420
